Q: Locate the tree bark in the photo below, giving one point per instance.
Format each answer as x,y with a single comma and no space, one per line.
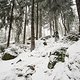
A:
53,27
4,26
50,19
64,24
32,28
56,29
50,28
11,20
78,10
68,27
24,36
40,28
37,24
17,38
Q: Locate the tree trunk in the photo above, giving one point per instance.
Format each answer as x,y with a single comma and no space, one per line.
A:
64,24
11,20
5,27
24,36
5,34
68,27
56,29
32,28
53,27
50,28
37,24
40,28
78,10
17,38
50,18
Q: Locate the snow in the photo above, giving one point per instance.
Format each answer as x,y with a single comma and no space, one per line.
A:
38,59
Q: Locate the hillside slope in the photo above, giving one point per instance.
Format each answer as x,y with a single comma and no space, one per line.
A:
34,65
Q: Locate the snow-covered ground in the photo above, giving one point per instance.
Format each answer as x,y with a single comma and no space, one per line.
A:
34,65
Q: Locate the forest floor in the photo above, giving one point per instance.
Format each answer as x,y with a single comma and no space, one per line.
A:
34,65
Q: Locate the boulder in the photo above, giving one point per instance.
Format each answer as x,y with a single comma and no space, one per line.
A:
20,75
73,37
51,64
57,56
8,56
45,43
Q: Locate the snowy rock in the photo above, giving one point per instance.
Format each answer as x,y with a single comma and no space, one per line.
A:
8,56
57,56
45,43
46,37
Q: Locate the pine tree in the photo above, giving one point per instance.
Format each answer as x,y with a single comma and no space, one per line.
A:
78,10
32,27
37,24
11,20
25,23
40,27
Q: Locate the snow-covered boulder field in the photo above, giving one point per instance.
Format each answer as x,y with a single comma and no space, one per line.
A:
34,65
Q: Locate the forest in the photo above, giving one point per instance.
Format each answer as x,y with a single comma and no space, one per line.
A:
39,39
